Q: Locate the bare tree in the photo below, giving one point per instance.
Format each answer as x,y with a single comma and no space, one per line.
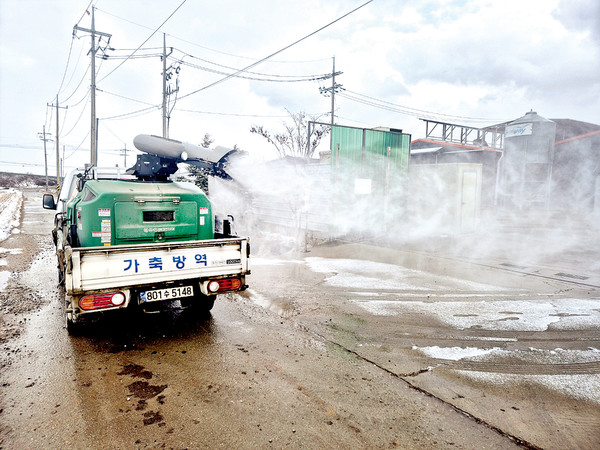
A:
294,140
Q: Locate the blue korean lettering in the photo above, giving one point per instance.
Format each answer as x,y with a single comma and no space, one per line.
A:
155,263
201,259
131,263
179,261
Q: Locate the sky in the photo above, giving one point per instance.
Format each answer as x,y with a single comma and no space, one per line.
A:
468,62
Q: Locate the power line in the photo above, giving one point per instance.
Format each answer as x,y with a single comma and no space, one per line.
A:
388,106
231,114
310,77
275,53
273,80
126,98
208,48
227,76
85,11
66,65
139,112
147,39
87,99
70,50
77,148
149,109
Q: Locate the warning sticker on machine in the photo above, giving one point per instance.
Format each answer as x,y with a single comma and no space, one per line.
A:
103,212
203,210
105,231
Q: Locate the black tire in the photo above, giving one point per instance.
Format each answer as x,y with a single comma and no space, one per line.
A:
199,303
73,325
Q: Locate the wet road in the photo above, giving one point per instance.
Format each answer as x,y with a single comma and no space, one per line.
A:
340,347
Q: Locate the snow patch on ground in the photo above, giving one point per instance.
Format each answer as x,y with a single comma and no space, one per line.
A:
12,251
454,353
10,212
580,387
510,315
361,274
533,355
4,276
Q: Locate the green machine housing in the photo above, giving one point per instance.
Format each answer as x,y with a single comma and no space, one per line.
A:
113,212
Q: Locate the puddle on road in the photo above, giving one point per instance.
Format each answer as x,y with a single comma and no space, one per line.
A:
38,278
280,306
370,275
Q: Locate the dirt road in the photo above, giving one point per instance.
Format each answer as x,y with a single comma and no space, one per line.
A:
347,346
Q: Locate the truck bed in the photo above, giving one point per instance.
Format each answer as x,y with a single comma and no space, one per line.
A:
97,268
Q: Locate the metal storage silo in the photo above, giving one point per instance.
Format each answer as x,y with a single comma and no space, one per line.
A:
527,162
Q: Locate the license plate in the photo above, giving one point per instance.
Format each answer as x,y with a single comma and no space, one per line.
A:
166,294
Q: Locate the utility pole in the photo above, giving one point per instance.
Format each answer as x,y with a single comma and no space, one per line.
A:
57,143
166,75
124,152
333,95
164,85
335,87
43,137
93,50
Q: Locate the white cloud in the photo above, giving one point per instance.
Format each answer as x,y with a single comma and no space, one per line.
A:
461,57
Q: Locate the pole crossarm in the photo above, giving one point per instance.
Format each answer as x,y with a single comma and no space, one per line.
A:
87,30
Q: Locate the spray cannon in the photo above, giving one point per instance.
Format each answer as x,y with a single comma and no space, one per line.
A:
163,154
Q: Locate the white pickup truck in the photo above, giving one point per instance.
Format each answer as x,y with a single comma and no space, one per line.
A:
124,243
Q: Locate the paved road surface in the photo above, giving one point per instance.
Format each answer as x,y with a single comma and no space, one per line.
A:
347,346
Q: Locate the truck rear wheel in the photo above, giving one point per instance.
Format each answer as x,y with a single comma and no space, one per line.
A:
73,325
199,303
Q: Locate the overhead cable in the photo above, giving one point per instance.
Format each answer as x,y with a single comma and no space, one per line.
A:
207,48
310,77
382,104
275,53
288,78
147,39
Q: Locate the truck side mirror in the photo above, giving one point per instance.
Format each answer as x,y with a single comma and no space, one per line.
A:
48,201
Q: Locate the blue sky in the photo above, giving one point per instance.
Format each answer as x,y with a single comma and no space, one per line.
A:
470,62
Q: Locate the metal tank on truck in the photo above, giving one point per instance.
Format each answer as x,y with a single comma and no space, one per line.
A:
140,240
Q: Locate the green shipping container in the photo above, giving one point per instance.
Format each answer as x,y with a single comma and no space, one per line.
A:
110,212
369,169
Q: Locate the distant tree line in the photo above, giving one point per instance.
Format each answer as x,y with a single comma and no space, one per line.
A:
8,179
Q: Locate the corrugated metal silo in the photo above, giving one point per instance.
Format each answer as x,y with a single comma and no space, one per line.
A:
527,162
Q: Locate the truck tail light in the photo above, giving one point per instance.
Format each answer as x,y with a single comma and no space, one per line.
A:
227,284
99,301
